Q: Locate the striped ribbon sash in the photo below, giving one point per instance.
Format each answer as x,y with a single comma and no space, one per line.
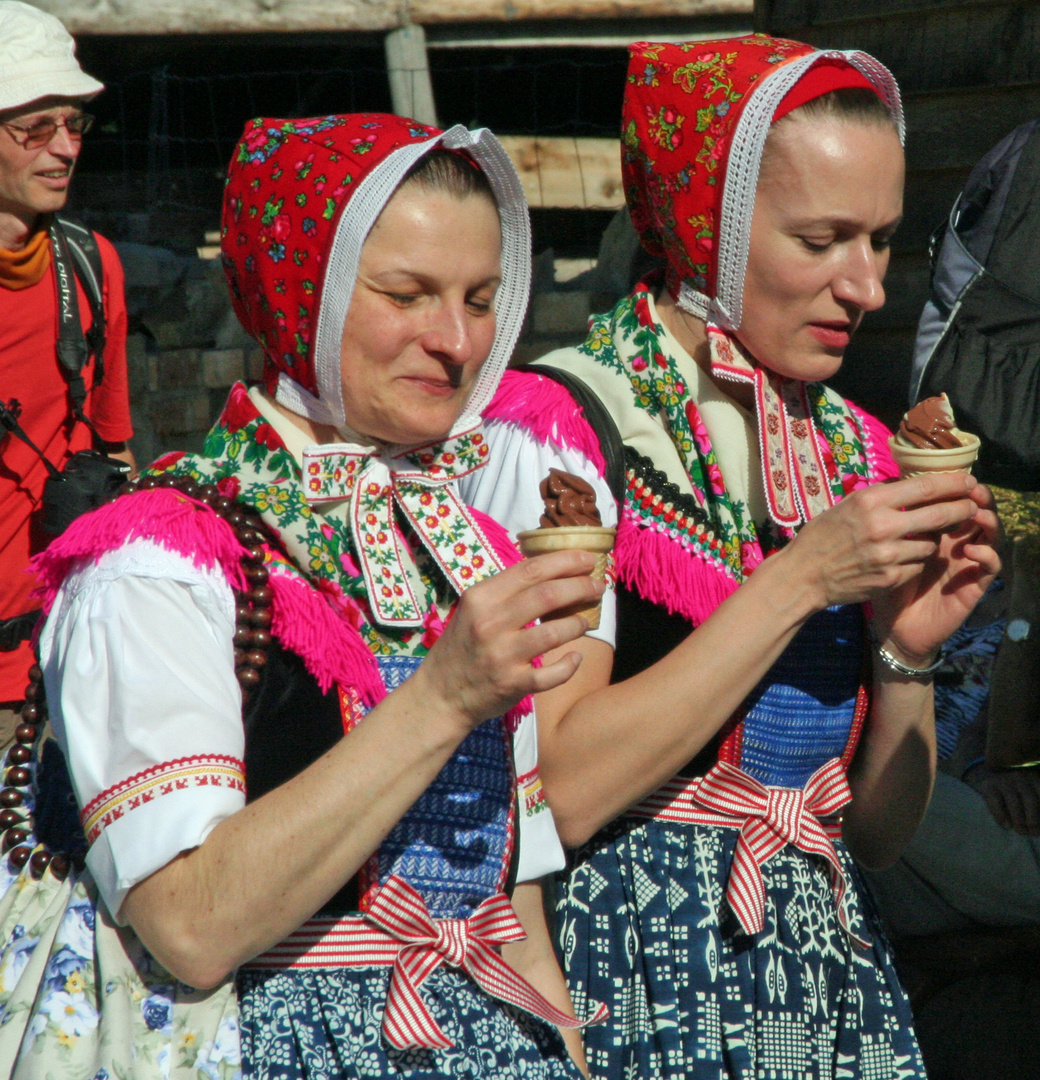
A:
398,931
768,819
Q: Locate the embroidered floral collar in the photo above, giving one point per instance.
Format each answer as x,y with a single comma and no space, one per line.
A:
796,484
417,486
367,556
812,449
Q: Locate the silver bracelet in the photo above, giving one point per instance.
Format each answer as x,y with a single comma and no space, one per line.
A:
905,669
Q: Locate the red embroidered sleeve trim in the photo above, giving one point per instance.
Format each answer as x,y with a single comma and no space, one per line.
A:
202,770
532,794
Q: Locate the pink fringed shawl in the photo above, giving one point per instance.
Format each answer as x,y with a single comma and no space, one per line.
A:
664,552
319,625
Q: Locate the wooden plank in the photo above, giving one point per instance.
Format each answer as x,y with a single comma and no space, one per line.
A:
929,196
281,16
222,16
441,11
786,16
408,67
562,172
985,44
876,372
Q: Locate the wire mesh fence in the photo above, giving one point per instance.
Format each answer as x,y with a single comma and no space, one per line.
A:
165,135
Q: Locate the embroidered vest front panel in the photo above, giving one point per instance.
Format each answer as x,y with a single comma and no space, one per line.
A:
455,843
801,714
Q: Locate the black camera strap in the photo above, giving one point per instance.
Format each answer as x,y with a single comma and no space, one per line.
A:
74,347
86,255
9,413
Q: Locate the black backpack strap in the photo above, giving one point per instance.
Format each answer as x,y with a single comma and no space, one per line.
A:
601,422
86,257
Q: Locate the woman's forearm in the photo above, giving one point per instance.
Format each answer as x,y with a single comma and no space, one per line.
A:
618,743
266,869
601,754
893,771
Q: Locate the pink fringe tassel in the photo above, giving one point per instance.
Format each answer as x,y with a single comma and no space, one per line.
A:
663,571
497,537
515,717
547,411
169,518
880,463
331,649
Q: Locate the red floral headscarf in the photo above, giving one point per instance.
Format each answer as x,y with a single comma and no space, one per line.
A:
301,197
694,122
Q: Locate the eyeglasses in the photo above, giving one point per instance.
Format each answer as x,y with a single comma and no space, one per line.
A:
41,133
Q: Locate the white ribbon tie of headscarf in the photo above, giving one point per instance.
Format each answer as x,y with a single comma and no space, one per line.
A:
793,472
418,483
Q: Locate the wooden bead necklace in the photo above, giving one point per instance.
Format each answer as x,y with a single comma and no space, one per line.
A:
252,638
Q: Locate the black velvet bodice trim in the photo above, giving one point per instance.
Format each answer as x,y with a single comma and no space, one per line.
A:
289,724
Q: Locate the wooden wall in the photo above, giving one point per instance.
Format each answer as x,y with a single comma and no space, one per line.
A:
970,73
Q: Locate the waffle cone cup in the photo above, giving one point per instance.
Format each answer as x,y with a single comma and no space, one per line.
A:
915,461
598,539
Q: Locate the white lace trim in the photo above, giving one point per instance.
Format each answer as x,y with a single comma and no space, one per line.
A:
352,230
741,183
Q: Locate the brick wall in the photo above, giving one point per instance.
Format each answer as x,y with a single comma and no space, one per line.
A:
185,348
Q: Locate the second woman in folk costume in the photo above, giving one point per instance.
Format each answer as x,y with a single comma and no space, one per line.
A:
779,609
347,842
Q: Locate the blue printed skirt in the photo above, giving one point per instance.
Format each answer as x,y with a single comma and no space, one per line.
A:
325,1025
643,924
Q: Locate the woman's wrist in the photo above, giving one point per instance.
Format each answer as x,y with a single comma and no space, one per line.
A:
794,583
440,717
919,670
882,637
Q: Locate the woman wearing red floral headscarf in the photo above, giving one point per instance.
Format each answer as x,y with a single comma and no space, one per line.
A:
290,675
779,610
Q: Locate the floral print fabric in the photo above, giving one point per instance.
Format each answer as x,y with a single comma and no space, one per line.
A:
244,455
681,105
627,341
82,999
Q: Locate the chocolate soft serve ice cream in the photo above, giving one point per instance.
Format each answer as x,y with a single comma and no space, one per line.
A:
929,440
570,520
568,500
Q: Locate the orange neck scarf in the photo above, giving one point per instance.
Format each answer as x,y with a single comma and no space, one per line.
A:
20,269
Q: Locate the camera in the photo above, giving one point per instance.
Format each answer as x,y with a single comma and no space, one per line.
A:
88,479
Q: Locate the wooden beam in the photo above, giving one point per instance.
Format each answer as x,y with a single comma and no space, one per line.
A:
561,173
581,34
408,66
222,16
330,16
448,11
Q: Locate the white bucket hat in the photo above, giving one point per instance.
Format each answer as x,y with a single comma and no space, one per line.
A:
38,58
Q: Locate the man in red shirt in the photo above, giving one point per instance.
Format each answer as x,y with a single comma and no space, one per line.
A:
42,124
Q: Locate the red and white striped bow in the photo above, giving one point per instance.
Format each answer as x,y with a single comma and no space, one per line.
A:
468,944
771,818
